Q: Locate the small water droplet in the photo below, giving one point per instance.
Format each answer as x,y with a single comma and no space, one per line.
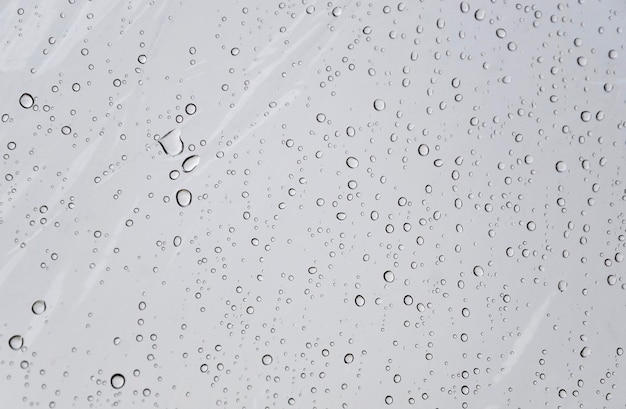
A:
118,381
562,286
348,358
423,149
379,104
191,163
267,359
561,166
388,276
142,59
183,197
478,271
191,109
171,142
39,307
27,101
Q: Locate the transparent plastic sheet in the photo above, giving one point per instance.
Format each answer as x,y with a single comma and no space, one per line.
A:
312,205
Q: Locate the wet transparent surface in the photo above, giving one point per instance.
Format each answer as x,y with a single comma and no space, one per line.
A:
309,204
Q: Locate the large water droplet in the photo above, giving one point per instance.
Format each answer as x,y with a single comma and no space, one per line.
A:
16,342
39,307
352,162
171,143
388,276
359,300
118,381
183,197
561,166
267,359
27,101
585,352
191,163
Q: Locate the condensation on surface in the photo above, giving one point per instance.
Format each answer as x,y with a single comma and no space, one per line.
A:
312,205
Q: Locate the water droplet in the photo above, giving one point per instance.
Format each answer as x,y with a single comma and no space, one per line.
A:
478,271
561,166
562,286
39,307
320,117
348,358
379,105
531,226
191,109
234,51
142,59
562,393
27,101
16,342
388,276
423,149
267,359
352,162
191,163
359,300
171,142
177,241
501,33
118,381
183,197
585,352
337,11
611,279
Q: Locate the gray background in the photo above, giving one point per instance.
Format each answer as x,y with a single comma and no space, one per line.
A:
512,264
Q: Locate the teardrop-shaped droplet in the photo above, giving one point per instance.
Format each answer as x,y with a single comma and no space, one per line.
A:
191,163
39,307
16,342
171,143
183,197
27,101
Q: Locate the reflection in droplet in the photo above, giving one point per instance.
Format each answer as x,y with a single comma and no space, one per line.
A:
191,163
171,142
183,197
27,101
38,307
118,381
16,342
